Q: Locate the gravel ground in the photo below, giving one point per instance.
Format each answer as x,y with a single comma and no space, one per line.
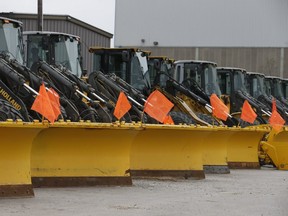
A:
242,192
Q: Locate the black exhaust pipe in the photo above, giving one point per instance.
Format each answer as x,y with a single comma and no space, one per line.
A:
40,15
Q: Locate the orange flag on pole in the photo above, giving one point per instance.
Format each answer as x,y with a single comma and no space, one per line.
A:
168,120
43,105
122,106
275,119
248,113
157,106
220,110
55,101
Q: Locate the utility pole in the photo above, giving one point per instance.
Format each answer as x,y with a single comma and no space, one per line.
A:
40,15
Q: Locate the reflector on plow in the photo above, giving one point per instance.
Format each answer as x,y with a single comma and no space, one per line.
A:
168,151
276,147
82,154
244,145
16,142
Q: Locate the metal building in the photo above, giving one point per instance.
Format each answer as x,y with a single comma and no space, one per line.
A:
90,35
250,34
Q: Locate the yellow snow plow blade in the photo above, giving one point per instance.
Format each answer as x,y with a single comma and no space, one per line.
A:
276,147
16,142
215,150
82,154
243,146
168,151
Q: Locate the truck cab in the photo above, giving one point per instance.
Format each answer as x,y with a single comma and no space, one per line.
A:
54,48
194,73
11,38
130,64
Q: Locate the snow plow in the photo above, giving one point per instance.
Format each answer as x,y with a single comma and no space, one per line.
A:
82,154
274,149
15,180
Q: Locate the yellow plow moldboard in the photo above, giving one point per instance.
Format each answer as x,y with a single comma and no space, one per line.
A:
82,154
16,142
276,147
215,150
244,145
168,151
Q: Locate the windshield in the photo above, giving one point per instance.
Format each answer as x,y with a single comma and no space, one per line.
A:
278,91
152,70
285,88
54,49
204,74
211,80
36,50
11,39
142,58
258,85
166,70
268,86
67,54
139,68
239,81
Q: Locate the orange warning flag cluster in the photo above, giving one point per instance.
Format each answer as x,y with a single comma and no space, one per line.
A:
248,114
158,106
47,104
122,106
220,110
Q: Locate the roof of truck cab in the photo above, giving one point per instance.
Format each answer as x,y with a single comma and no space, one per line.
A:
92,49
11,20
230,68
273,77
49,33
195,61
255,73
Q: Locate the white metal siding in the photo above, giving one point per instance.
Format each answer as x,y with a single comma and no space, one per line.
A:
202,23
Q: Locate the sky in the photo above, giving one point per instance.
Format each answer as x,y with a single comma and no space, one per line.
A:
99,13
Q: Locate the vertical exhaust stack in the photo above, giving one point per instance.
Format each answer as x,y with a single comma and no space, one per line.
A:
40,15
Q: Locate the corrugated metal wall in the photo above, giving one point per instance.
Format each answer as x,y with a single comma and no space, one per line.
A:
236,33
90,36
262,60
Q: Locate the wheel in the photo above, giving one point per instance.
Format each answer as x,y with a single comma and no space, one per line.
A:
181,118
207,118
7,111
90,114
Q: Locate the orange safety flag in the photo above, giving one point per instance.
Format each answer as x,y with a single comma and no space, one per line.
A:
248,113
274,107
122,106
275,119
219,109
55,101
157,106
168,120
43,105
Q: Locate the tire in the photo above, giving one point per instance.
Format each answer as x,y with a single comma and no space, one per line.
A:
181,118
7,111
207,118
90,114
247,124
